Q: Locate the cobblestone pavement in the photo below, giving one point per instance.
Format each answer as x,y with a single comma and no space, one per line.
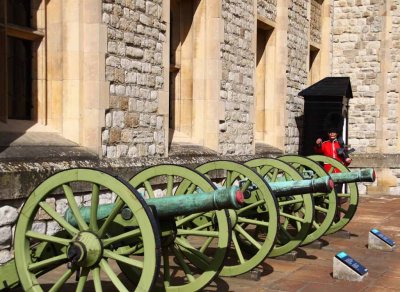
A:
312,271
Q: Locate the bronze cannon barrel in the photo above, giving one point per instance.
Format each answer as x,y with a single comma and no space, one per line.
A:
169,206
288,188
363,175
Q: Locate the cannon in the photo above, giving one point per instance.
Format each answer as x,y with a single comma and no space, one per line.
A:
130,235
260,226
334,210
165,227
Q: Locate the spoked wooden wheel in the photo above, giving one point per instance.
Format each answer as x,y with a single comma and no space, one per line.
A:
260,212
347,196
193,253
296,211
325,203
83,248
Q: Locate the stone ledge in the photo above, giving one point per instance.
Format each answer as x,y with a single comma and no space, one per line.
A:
376,160
19,178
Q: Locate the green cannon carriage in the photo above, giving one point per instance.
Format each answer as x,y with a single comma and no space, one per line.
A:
112,234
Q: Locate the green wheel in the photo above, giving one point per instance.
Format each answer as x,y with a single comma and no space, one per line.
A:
296,211
84,248
259,213
325,203
193,253
347,198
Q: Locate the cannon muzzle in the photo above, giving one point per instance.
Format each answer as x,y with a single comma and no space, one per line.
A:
364,175
287,188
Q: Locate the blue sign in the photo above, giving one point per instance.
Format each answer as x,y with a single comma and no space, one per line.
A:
379,234
351,263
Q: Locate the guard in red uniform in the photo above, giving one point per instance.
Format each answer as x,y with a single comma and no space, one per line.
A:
330,148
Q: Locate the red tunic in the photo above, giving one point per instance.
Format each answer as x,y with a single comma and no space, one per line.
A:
330,148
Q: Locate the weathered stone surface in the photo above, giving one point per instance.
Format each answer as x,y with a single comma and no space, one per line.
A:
8,215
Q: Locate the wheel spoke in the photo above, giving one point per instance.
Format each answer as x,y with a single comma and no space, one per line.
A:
292,217
289,202
344,195
82,279
316,225
34,267
342,210
274,175
237,248
320,209
167,272
149,189
251,206
187,219
132,233
297,222
205,225
112,276
47,238
228,180
244,233
186,245
132,262
60,282
93,208
58,218
253,221
206,244
183,264
117,207
170,185
183,232
245,186
74,207
97,280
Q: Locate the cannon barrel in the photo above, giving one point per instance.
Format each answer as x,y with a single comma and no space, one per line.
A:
364,175
288,188
169,206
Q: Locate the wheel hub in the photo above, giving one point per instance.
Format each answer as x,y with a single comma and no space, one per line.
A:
85,250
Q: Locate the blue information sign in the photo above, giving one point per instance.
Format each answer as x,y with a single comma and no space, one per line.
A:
379,234
351,263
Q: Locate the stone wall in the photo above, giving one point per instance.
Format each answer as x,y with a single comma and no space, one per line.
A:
237,85
267,9
356,44
366,48
315,24
296,71
135,39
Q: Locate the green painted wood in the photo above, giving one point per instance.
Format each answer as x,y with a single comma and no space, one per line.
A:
347,201
325,203
248,218
198,250
296,206
93,244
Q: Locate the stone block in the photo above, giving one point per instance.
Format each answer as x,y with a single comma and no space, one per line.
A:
8,215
